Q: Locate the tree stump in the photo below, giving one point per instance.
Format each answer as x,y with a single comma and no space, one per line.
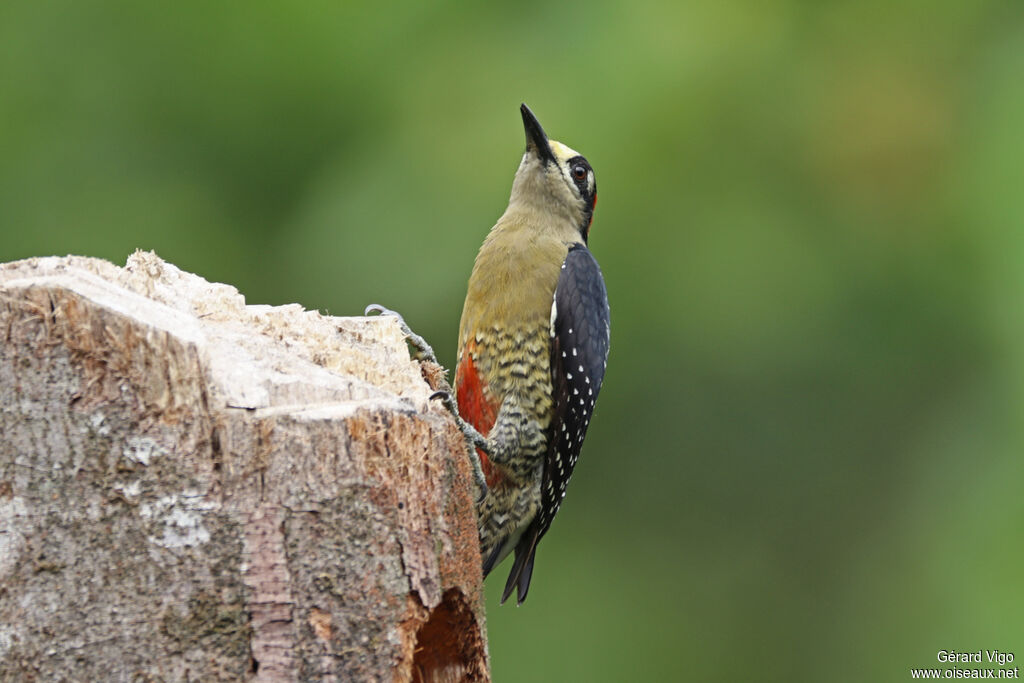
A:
196,489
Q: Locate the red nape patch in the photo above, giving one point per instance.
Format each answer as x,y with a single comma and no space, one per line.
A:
475,408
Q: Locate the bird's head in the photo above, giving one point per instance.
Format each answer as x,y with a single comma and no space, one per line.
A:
554,179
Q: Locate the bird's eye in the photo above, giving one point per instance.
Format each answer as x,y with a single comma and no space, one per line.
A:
579,172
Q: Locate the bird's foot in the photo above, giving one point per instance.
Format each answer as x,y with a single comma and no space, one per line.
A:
417,342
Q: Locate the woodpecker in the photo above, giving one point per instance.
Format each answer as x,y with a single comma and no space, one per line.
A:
533,348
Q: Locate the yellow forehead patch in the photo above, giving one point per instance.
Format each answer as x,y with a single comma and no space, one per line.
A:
562,152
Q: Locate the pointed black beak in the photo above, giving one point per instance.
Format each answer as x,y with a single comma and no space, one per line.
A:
536,139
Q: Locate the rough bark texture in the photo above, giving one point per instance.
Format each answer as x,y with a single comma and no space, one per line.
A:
196,489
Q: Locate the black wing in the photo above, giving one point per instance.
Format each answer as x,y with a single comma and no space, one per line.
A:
579,355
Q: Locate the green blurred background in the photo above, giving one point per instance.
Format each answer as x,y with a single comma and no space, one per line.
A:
806,461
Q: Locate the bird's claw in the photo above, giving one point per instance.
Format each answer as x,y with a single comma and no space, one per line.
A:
416,341
382,311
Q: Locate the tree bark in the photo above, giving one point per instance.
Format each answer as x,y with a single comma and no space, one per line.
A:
196,489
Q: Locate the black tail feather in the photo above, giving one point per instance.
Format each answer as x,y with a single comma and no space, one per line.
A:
522,568
524,578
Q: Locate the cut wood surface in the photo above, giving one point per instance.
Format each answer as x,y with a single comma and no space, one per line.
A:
196,489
